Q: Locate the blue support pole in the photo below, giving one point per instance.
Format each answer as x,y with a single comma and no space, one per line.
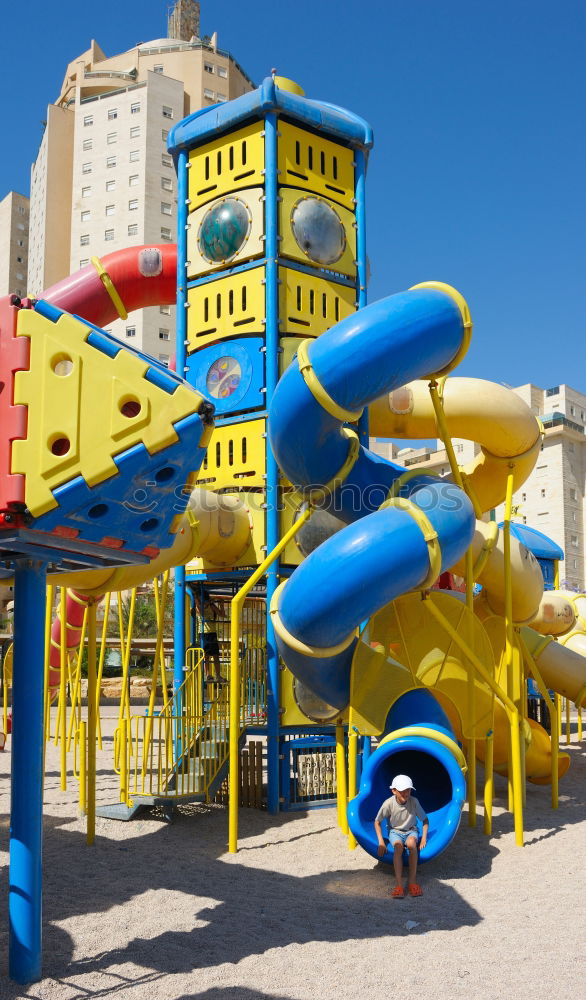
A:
272,480
180,349
361,260
26,812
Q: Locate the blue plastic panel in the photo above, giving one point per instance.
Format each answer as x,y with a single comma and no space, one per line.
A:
231,374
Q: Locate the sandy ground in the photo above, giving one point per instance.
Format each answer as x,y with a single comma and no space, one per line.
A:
162,911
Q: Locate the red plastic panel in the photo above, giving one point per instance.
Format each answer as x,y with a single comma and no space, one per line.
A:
14,357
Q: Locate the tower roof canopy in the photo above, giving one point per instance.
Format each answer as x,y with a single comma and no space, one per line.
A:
328,119
539,544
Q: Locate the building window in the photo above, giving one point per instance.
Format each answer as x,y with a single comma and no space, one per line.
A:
221,98
572,411
86,168
523,497
223,72
20,225
133,229
87,144
109,235
85,215
164,359
88,120
86,192
166,160
110,209
20,260
573,494
574,541
84,262
131,331
574,516
542,492
20,243
112,114
209,94
165,233
553,392
111,138
208,67
133,205
167,111
135,132
524,519
158,68
135,108
571,446
19,276
110,161
165,310
110,185
163,334
84,240
166,208
167,183
164,134
134,155
133,180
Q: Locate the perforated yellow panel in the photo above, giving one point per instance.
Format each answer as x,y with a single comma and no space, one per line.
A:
253,245
76,419
312,162
309,305
227,164
236,456
289,246
226,307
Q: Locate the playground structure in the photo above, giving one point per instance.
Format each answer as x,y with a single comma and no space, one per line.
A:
273,504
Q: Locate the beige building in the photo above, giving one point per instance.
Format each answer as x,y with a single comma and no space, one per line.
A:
553,499
14,236
103,179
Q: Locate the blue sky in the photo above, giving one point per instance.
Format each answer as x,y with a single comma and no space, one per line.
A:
478,174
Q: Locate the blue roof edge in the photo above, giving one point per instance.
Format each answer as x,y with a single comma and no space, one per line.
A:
324,117
539,544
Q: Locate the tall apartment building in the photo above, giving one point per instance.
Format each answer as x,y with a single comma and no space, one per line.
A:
103,178
553,498
14,234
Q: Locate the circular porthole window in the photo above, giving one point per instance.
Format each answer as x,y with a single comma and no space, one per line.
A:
318,230
312,706
224,230
223,378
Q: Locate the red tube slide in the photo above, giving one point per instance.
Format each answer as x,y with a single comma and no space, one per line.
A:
117,284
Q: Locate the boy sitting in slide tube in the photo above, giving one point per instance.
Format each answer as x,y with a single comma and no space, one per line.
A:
401,810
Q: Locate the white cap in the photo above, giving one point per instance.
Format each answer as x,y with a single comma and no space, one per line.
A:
10,606
401,782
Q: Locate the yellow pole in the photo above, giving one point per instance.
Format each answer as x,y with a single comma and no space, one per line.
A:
81,735
75,694
568,730
471,784
48,620
580,724
515,771
123,760
341,783
488,783
556,574
63,691
551,703
101,666
352,772
125,697
91,723
234,687
558,705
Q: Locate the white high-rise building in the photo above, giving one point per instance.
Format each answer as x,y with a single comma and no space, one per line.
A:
14,234
103,178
